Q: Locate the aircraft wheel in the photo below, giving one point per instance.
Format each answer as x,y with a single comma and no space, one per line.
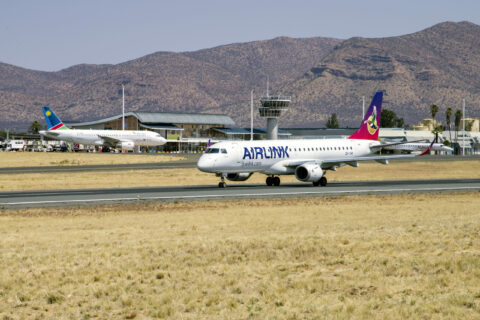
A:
323,181
222,185
269,181
316,183
276,181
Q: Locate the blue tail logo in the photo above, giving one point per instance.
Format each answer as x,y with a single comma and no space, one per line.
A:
53,122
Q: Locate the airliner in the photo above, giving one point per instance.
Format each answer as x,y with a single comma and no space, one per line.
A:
418,147
124,139
307,159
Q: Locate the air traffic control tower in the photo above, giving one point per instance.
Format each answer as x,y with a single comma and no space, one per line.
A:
272,108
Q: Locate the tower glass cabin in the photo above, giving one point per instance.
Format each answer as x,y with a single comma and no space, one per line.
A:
272,108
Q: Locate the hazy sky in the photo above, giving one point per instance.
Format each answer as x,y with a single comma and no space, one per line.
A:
52,35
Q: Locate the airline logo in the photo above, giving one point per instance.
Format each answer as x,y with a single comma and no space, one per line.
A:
265,153
371,122
48,113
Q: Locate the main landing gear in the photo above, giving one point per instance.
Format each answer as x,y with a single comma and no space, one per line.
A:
273,181
222,183
322,182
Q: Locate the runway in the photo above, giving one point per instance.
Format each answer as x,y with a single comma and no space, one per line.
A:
31,199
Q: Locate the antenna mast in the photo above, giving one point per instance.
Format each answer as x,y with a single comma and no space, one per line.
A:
267,84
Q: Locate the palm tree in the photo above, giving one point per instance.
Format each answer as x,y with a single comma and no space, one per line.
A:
448,116
458,118
434,111
35,127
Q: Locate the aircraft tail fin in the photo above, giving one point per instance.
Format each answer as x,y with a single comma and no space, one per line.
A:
428,149
371,122
208,145
53,122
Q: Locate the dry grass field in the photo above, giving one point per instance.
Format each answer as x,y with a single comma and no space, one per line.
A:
373,257
165,177
33,159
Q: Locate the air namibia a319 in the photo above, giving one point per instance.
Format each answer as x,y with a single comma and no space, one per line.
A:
307,159
123,139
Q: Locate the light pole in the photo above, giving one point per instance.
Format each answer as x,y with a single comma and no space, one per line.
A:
123,106
363,107
251,115
463,152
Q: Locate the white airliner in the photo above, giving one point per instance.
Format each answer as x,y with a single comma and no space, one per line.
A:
418,147
307,159
124,139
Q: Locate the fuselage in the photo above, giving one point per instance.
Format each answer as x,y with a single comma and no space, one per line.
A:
278,156
97,137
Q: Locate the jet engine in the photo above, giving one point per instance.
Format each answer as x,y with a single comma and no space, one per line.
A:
308,172
242,176
126,145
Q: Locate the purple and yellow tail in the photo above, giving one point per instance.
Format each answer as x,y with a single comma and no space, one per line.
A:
53,122
371,123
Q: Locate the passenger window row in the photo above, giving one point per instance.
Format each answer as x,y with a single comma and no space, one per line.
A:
323,148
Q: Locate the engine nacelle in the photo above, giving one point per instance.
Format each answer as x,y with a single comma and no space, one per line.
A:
308,172
242,176
126,145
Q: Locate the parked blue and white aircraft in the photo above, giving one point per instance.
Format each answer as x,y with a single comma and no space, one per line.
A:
123,139
307,159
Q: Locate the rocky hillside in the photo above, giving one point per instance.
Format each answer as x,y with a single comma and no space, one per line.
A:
202,81
439,65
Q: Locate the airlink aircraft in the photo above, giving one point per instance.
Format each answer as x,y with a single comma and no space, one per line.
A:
307,159
124,139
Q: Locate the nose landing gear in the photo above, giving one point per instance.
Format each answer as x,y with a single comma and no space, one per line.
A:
222,183
273,181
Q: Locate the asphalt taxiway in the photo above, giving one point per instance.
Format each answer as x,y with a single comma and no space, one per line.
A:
189,162
29,199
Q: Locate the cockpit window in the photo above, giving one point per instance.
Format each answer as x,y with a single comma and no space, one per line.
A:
224,150
213,150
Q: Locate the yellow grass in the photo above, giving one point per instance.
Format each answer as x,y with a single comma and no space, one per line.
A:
33,159
176,177
375,257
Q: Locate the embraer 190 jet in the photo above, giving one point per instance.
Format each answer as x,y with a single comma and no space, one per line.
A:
307,159
123,139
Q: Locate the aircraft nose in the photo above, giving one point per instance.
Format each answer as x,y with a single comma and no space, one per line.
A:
205,164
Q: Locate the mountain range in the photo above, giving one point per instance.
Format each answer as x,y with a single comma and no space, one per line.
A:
438,65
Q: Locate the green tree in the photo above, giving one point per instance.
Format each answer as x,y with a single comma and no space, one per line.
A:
468,125
35,127
458,119
389,119
448,118
436,130
433,112
332,122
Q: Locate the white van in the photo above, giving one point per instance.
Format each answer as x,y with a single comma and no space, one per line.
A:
15,145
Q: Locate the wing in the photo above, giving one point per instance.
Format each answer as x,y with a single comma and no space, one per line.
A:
109,141
351,161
